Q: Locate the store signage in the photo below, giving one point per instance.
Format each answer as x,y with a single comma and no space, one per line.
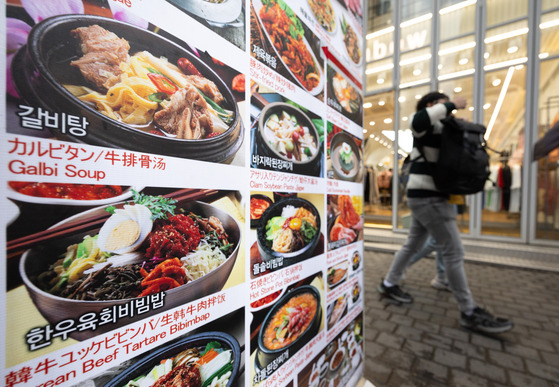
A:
182,193
380,48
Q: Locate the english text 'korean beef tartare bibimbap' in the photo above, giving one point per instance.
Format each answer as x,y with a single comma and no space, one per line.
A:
145,247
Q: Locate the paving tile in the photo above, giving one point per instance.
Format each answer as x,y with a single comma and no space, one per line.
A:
489,342
488,371
430,370
421,350
460,378
450,359
518,379
506,361
469,350
543,371
390,340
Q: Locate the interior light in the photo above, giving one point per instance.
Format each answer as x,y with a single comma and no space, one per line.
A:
415,59
401,99
471,108
486,106
549,24
372,123
507,63
418,96
371,136
512,49
440,66
416,72
457,89
543,55
486,55
388,120
460,47
376,138
463,61
379,69
499,103
367,105
378,33
389,146
456,7
380,81
405,118
507,35
456,74
419,19
414,83
496,82
519,67
381,102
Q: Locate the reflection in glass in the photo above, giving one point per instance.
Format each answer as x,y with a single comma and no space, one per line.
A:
414,67
502,11
547,216
379,15
457,17
549,27
506,46
549,4
379,155
456,57
504,117
379,75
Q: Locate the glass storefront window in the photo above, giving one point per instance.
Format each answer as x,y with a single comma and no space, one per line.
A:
549,26
506,45
379,75
379,14
456,58
502,11
504,116
413,9
549,4
456,18
547,195
380,44
416,33
379,156
414,67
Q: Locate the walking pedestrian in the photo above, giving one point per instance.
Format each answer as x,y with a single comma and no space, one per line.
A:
432,214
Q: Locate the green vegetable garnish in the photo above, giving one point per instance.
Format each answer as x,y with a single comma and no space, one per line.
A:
160,207
158,97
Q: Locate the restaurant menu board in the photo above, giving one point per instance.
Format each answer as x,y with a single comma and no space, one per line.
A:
182,193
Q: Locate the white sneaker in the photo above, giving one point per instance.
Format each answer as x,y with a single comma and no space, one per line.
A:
439,284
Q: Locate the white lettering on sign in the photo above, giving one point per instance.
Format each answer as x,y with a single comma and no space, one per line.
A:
381,48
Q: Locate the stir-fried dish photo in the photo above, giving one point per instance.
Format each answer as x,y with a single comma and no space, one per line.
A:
287,35
346,94
146,92
351,42
324,13
145,247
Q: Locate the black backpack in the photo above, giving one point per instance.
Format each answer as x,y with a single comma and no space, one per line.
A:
463,164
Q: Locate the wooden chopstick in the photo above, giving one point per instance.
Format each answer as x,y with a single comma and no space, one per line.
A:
17,246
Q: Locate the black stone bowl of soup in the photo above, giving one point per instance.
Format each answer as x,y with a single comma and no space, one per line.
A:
274,339
276,209
42,67
309,165
336,146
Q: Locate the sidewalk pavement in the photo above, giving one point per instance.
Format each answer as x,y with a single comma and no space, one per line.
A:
422,344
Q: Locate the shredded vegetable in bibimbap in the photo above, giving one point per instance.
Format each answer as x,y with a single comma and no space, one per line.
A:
142,248
194,367
293,230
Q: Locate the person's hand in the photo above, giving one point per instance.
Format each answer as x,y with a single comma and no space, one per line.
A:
460,102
